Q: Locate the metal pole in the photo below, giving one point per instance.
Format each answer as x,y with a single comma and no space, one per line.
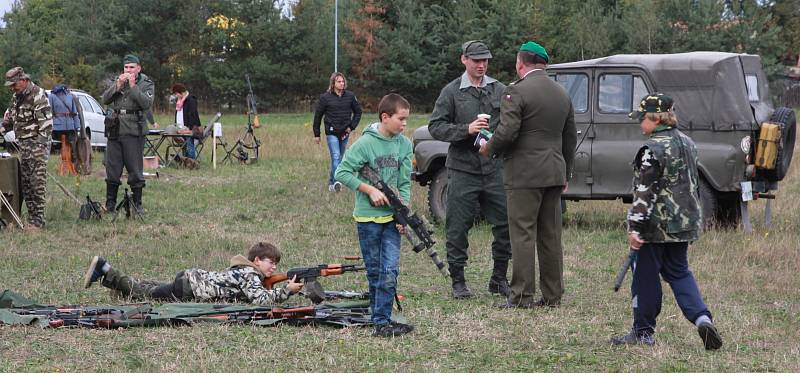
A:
336,36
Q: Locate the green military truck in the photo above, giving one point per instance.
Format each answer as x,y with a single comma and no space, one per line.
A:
721,100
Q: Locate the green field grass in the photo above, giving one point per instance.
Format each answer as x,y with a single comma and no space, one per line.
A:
201,218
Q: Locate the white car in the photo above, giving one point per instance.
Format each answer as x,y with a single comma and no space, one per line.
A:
93,115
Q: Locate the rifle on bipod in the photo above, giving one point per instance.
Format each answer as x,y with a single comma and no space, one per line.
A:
630,262
309,276
247,141
91,209
418,230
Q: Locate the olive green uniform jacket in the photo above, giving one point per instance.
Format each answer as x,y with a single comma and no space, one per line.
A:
135,101
535,141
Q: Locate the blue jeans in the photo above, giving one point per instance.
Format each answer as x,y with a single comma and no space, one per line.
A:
336,147
380,248
669,260
188,147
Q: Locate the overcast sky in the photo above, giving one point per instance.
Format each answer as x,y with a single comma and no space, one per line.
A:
5,5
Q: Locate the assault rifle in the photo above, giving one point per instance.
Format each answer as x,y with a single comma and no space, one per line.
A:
418,230
309,276
630,262
274,313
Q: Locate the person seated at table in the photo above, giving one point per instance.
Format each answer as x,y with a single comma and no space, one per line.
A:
186,115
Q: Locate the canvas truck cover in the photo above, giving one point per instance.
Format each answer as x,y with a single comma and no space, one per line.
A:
709,88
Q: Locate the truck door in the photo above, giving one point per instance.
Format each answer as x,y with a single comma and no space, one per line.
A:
576,83
616,137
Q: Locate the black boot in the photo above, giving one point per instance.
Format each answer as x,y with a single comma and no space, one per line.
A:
111,197
137,200
498,283
460,289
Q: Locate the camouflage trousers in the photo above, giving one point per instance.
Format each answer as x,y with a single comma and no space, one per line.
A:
33,164
129,287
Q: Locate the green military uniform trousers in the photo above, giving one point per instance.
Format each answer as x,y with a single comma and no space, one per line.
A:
128,287
466,193
534,216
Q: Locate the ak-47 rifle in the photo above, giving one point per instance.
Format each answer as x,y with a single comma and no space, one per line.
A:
418,230
630,262
274,313
309,276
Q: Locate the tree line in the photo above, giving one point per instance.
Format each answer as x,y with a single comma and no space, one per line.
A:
407,46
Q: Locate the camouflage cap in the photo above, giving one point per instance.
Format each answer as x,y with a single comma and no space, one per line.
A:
476,50
15,74
652,103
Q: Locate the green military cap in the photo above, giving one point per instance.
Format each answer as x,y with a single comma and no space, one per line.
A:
131,58
536,49
15,74
652,103
476,50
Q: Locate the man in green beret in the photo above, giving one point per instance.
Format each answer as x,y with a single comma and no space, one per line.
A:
30,117
536,139
466,105
129,99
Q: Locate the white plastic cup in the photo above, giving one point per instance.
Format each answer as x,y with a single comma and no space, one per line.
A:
484,116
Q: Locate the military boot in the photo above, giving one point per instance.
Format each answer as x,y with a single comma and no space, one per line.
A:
137,200
460,289
111,197
498,283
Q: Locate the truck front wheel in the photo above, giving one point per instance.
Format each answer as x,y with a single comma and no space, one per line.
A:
437,195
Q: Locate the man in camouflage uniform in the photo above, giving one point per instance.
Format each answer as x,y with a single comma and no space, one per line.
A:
473,181
130,98
30,117
664,217
243,281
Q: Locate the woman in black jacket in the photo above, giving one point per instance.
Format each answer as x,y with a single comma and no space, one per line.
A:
342,114
186,115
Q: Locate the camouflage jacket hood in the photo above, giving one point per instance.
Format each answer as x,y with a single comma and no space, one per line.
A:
666,204
243,281
241,261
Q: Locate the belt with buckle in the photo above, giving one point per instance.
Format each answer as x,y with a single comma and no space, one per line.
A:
123,111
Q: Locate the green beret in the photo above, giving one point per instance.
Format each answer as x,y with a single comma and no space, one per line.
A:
536,49
131,58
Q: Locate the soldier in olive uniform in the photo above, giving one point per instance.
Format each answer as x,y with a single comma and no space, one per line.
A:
664,217
130,98
536,139
473,181
30,117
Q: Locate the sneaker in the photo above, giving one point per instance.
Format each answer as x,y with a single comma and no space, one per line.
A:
94,272
337,187
513,305
331,188
392,329
710,336
634,338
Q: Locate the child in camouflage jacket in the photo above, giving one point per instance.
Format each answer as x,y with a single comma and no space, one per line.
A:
243,281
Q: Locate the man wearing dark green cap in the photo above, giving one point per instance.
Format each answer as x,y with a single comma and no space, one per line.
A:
536,139
472,180
129,99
